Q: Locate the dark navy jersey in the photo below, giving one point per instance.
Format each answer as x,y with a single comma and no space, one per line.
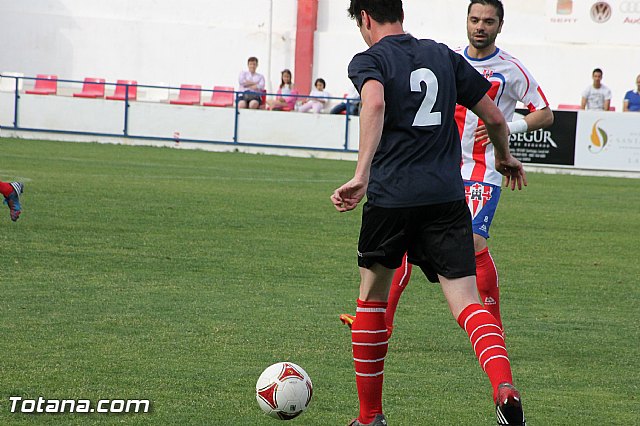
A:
418,160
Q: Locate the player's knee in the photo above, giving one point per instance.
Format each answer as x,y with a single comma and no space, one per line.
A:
479,243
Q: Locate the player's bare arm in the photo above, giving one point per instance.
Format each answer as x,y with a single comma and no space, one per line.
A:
498,132
583,103
348,196
539,119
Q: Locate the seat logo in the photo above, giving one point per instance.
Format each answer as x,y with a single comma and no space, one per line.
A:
601,12
564,7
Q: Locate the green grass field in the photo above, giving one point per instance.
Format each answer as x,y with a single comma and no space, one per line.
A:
178,276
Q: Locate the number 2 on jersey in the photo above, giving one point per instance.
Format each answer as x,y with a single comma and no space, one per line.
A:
425,116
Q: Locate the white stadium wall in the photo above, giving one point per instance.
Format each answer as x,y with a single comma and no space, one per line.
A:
207,42
203,42
560,61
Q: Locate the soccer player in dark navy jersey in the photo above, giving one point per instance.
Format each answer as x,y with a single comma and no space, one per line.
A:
409,169
417,160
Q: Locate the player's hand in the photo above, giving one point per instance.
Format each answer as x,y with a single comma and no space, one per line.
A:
514,171
349,195
481,135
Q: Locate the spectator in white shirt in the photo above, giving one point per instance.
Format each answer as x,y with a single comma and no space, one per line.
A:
319,99
251,84
596,97
353,105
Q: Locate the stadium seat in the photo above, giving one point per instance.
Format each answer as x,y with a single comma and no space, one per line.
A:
263,100
8,84
222,97
120,92
569,107
189,95
92,88
45,85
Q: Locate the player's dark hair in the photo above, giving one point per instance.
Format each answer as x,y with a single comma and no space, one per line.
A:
382,11
597,70
495,3
252,59
320,80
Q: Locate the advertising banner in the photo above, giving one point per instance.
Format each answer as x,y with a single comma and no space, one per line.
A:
554,145
587,21
608,141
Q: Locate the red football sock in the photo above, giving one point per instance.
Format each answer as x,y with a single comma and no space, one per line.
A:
369,339
400,281
488,344
487,282
5,189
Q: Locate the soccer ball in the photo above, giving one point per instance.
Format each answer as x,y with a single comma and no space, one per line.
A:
284,390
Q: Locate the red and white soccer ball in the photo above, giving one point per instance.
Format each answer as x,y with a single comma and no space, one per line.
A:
284,390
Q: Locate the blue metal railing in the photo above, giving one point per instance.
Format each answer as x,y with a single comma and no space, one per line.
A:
351,105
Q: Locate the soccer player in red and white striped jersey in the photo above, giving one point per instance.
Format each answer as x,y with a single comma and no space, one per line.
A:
511,83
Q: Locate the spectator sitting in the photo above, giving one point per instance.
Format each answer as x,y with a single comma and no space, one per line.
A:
632,99
282,101
317,103
353,105
596,97
251,86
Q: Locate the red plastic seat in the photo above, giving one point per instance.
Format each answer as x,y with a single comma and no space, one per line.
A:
222,97
120,92
189,95
92,88
263,100
45,85
569,107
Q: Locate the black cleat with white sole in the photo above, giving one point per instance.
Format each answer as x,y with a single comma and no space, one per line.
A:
509,406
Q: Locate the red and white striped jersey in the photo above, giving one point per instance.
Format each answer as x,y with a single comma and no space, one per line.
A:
510,82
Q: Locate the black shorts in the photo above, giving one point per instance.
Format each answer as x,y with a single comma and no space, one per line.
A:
249,96
437,238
